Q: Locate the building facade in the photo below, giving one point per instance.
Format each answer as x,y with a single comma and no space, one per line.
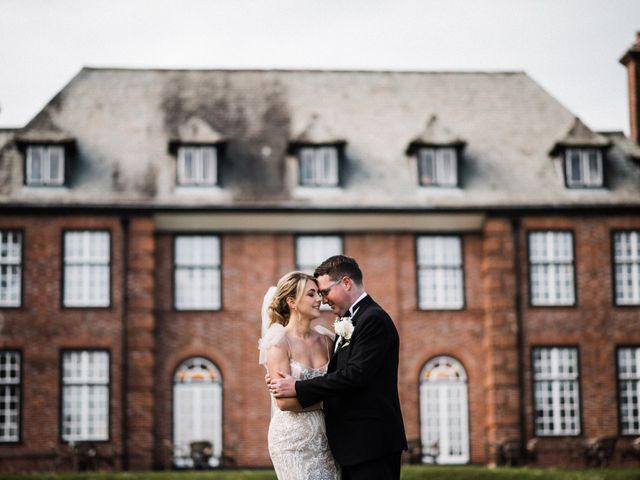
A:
146,212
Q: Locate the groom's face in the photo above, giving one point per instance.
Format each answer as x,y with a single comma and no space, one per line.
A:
334,294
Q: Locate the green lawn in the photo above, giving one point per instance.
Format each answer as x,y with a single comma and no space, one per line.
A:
408,473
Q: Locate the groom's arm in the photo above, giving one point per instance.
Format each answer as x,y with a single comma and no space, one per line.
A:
367,355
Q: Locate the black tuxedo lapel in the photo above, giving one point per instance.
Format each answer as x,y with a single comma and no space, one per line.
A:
361,306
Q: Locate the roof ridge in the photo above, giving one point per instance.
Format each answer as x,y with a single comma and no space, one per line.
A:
307,70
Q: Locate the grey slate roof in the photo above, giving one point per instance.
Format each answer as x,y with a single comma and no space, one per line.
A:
317,131
579,135
6,134
435,134
124,119
195,130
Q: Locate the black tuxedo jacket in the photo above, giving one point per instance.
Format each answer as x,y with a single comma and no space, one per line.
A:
360,390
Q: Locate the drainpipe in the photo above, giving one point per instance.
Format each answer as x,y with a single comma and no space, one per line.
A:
124,222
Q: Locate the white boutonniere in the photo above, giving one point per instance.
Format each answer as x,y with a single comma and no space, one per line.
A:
343,328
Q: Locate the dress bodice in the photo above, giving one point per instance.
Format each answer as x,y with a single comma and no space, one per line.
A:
299,371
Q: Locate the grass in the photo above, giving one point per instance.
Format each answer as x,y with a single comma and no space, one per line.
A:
408,473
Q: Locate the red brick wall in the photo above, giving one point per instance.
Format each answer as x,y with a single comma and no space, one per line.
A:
41,328
500,339
228,337
481,337
140,335
596,326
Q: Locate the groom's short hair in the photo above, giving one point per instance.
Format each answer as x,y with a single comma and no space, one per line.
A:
340,266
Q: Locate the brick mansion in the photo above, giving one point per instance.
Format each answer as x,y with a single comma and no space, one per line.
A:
144,213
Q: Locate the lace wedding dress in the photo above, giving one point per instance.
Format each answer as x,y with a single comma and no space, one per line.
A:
298,441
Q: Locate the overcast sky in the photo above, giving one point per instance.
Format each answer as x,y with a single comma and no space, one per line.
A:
571,47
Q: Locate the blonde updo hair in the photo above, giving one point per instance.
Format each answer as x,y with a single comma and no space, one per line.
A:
290,285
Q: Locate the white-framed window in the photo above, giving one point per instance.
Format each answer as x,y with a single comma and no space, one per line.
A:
197,272
312,250
629,390
197,410
10,268
85,395
438,166
318,166
45,165
583,167
10,379
556,391
87,268
444,422
626,261
551,268
197,165
440,273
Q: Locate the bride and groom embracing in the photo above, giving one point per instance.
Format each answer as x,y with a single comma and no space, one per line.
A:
335,407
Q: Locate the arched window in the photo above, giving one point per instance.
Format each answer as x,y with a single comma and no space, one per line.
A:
197,413
444,425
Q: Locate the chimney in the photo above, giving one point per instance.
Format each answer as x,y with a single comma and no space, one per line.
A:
631,60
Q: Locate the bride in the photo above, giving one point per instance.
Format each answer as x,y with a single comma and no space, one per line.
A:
297,438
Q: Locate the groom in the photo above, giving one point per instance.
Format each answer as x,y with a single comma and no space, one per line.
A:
360,390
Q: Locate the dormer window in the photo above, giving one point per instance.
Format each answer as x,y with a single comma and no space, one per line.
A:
583,167
581,153
437,151
318,166
197,165
438,166
45,165
198,148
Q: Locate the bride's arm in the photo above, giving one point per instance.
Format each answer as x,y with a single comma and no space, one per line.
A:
278,361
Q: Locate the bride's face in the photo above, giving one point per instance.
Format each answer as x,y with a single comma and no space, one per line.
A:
309,304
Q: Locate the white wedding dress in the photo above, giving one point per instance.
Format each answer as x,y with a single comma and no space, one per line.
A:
298,440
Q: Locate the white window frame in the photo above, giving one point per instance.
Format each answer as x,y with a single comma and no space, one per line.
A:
87,268
47,174
440,272
586,176
318,166
197,272
556,387
312,250
626,267
197,410
10,268
204,169
438,166
551,268
628,361
10,395
444,412
86,385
